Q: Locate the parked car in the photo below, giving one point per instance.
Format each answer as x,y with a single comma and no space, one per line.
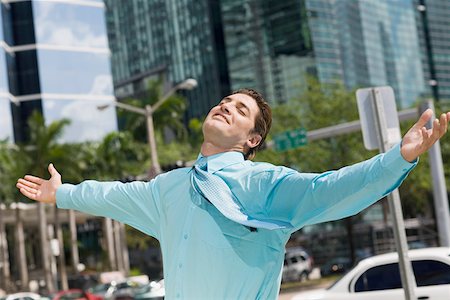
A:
23,296
297,265
116,290
75,294
378,277
155,290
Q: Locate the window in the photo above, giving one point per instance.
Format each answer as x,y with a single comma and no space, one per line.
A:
385,277
431,272
379,278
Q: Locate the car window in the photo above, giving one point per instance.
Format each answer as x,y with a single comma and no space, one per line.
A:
431,272
383,277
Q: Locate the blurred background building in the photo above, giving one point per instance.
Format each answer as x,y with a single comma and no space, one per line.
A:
174,39
54,58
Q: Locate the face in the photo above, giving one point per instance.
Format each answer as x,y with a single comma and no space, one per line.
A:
229,124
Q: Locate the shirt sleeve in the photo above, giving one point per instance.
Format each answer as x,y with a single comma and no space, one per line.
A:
306,199
136,203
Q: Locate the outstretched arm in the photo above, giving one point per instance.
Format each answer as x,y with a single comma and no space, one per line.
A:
39,189
419,139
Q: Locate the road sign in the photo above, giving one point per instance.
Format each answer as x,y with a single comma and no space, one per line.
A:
388,115
380,125
290,139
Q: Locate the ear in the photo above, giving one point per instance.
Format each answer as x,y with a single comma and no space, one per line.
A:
254,140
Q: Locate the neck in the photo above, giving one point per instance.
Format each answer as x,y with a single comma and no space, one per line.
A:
209,149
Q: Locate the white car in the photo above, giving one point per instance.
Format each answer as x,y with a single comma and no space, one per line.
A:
297,265
24,296
378,278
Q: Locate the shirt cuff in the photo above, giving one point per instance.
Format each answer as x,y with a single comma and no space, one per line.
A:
394,160
63,195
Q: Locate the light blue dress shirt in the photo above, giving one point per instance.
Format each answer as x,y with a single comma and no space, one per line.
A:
207,256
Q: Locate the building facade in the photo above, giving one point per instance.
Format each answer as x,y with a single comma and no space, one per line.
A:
433,23
368,43
178,39
54,58
268,46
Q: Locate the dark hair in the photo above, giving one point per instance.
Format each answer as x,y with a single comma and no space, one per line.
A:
263,120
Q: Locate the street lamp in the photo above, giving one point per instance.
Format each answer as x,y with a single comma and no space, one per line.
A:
148,111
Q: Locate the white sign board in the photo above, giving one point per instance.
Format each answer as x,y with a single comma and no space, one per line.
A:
366,98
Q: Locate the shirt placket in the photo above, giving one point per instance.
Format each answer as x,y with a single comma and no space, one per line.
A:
185,239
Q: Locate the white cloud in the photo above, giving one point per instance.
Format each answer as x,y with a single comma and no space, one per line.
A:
102,85
53,28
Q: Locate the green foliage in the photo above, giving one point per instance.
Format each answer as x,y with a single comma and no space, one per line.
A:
169,114
322,106
139,240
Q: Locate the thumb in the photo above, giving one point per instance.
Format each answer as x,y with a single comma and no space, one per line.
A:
424,118
52,170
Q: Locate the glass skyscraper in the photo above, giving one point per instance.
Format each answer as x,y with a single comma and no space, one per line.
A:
268,46
177,38
54,58
368,43
433,20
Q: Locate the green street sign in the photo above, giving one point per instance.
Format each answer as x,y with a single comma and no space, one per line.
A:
290,139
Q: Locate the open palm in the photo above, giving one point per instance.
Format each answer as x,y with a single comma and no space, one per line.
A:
419,139
39,189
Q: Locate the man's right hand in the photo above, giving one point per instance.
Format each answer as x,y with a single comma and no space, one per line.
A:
39,189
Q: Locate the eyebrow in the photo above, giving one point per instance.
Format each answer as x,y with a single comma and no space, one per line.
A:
228,99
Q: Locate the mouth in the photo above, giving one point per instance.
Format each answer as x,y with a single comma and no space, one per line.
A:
221,117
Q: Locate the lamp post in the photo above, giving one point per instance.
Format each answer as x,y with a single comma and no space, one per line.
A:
148,111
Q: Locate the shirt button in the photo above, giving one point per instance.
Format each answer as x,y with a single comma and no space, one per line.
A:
180,266
185,236
178,295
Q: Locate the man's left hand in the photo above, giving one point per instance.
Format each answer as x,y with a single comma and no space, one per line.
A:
419,139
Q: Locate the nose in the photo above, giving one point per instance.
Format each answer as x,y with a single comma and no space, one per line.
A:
224,107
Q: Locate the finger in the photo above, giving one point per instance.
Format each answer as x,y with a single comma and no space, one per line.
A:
424,118
425,134
27,188
444,124
28,194
34,179
436,133
28,183
52,170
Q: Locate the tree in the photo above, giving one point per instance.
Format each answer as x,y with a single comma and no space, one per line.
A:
42,149
325,105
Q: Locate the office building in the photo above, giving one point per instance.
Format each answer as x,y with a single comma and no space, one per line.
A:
54,58
268,46
173,39
433,23
368,43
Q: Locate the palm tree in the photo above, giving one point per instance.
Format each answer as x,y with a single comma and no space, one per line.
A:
43,148
117,157
8,165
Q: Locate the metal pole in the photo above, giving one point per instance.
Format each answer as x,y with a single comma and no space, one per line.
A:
73,241
110,244
155,168
439,187
406,273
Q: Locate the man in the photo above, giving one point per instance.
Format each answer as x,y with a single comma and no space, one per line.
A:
226,240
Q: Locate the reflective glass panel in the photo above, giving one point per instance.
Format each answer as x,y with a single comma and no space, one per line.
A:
6,127
3,72
67,72
69,24
87,122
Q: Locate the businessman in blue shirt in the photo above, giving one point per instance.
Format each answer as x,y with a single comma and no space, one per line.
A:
223,224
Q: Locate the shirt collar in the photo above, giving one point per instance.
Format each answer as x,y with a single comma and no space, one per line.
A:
219,161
